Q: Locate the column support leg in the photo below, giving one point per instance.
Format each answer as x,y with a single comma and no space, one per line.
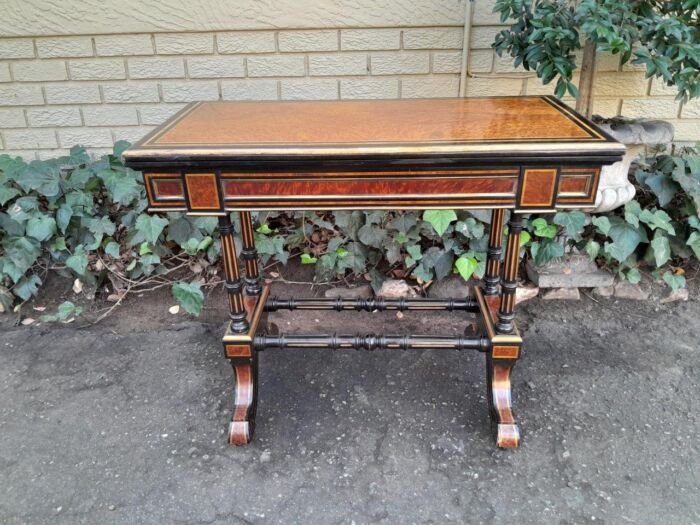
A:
509,283
243,357
506,343
234,284
250,255
492,277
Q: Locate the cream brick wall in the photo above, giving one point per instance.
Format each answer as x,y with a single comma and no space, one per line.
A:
57,90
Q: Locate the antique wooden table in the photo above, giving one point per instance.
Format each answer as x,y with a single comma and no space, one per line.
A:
523,154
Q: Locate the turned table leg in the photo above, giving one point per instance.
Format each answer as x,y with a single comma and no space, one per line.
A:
505,343
250,255
492,277
245,360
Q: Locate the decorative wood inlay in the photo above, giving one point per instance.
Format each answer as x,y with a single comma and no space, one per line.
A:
321,189
538,187
168,189
373,121
238,350
578,186
162,191
202,191
505,352
574,185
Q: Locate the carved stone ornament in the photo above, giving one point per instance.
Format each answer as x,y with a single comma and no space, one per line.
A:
615,188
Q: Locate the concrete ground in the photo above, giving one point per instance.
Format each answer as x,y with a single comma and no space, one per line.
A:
123,422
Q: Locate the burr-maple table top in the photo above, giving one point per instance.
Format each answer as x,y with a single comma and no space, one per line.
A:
457,126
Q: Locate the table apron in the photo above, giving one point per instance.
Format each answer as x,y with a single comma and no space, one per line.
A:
531,188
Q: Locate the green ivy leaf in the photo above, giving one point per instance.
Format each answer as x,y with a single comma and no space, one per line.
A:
625,238
466,266
308,259
632,212
10,226
420,272
112,249
673,280
148,228
694,243
42,177
120,147
26,287
121,186
546,250
7,194
189,296
470,228
67,311
150,259
661,248
403,222
22,251
182,229
59,244
657,219
78,261
572,221
41,227
79,178
264,229
99,225
663,187
633,276
372,235
440,220
81,202
204,244
439,260
602,224
414,251
592,249
63,217
543,229
524,238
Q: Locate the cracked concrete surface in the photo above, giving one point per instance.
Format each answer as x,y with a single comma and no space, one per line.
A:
127,426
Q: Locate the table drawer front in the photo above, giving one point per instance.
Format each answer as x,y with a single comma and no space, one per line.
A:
165,190
527,189
577,187
365,189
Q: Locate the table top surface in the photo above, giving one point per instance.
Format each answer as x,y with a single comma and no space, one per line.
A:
456,126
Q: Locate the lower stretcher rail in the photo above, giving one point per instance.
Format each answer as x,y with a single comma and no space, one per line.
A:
468,304
372,342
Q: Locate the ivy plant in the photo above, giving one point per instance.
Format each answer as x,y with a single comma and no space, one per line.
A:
86,219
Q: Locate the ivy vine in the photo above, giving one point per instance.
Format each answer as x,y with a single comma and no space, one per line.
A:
86,219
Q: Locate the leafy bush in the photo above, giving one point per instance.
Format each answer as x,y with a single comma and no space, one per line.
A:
87,219
664,37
